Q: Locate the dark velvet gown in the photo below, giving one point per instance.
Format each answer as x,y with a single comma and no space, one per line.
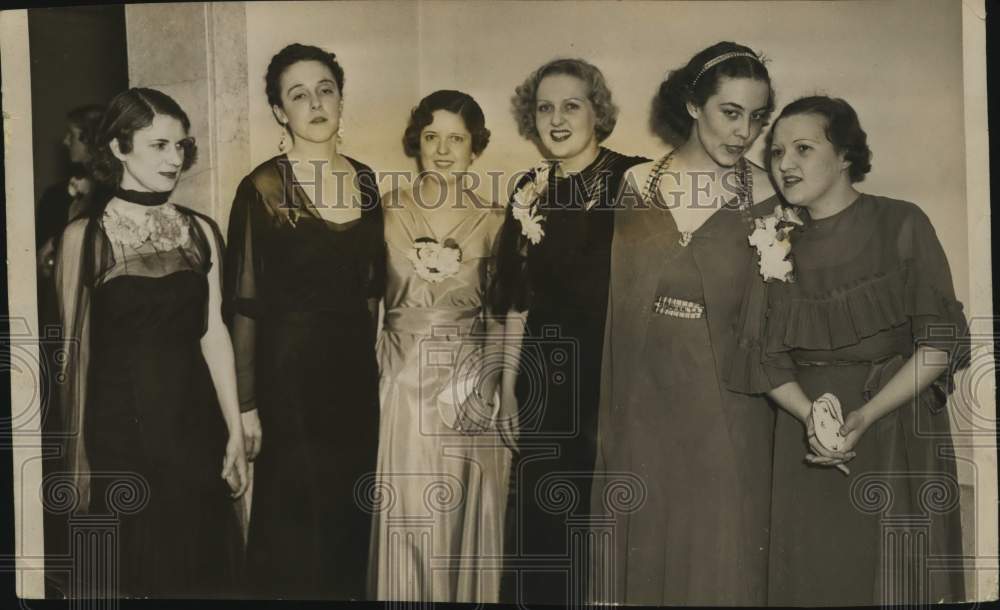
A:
563,283
872,283
154,437
298,300
681,498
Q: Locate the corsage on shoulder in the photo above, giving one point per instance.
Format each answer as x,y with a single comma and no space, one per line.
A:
770,237
525,203
435,262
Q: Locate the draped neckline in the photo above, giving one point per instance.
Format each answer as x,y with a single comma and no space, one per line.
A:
310,208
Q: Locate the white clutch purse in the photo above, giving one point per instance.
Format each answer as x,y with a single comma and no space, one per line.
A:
827,419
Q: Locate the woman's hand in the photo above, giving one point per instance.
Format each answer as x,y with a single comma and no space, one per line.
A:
251,433
508,424
855,424
475,415
234,466
821,456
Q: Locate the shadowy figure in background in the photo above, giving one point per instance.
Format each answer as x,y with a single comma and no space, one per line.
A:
59,204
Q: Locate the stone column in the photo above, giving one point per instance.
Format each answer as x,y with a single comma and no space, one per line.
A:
197,53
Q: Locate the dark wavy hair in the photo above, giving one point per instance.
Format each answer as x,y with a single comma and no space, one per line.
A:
605,110
669,118
126,114
292,54
843,130
457,102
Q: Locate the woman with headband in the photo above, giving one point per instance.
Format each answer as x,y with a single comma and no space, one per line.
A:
686,462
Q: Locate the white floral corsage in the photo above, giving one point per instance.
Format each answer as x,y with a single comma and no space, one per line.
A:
435,262
132,226
525,203
771,239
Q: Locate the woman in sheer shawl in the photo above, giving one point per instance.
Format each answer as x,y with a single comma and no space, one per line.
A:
151,386
302,282
444,481
551,288
871,318
686,463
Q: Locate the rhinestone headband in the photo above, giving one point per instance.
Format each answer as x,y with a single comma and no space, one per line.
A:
718,60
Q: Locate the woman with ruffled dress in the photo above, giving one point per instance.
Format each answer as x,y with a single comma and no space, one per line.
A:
150,389
442,482
871,318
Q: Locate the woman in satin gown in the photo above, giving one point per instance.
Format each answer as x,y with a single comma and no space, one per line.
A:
443,482
684,464
151,390
303,273
871,318
551,290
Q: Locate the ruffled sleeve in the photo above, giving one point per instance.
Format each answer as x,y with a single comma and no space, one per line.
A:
241,305
936,316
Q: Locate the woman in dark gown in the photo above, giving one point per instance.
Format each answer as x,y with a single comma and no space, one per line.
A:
303,273
560,282
871,318
140,291
684,464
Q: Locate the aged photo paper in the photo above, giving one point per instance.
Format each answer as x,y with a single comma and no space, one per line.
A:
913,70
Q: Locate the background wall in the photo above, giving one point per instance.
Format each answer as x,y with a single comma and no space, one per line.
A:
907,88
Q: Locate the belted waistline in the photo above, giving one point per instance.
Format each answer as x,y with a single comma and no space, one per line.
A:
430,321
881,371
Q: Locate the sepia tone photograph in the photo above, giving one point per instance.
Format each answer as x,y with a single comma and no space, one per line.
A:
559,303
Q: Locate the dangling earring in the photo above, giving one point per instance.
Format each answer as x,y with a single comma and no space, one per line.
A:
340,123
283,142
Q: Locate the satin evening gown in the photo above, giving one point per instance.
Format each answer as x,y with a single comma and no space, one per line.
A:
439,532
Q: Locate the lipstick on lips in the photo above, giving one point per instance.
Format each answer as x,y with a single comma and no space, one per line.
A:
560,135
